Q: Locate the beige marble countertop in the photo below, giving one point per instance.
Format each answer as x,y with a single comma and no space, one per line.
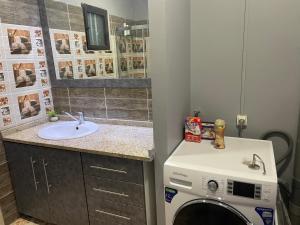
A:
113,140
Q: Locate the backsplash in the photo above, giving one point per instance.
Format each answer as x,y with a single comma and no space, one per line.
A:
25,93
106,103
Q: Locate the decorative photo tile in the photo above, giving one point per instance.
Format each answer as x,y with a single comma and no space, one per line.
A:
3,87
77,43
19,41
80,70
42,69
4,101
2,78
90,68
65,69
47,100
138,75
44,82
29,105
61,45
109,65
138,63
7,120
123,64
46,93
137,46
122,44
24,74
101,67
5,111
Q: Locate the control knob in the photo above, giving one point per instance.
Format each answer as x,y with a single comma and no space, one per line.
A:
213,185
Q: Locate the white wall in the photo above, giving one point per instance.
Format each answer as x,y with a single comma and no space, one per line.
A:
216,40
129,9
272,86
170,73
140,9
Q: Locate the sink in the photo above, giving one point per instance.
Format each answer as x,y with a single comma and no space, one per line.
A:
67,130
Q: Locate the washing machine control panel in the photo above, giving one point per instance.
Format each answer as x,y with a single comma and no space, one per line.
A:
212,185
243,189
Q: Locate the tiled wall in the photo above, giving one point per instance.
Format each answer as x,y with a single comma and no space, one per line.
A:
25,93
23,72
79,62
105,103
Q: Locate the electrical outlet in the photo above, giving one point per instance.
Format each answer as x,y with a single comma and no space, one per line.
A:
240,118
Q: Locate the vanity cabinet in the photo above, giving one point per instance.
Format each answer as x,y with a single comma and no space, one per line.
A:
48,183
115,190
71,188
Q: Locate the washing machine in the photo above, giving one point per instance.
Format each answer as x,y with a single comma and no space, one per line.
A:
233,186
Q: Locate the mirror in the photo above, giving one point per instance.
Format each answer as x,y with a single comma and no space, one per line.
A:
85,53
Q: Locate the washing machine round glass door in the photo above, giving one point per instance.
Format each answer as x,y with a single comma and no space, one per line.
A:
209,212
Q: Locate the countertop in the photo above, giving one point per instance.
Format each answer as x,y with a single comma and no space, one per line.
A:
113,140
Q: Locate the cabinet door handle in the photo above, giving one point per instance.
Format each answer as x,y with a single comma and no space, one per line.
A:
112,214
46,176
111,192
108,169
33,173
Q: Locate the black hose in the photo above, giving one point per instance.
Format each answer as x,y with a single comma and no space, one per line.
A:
283,162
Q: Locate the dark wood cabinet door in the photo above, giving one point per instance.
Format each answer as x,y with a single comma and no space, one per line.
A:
65,183
28,182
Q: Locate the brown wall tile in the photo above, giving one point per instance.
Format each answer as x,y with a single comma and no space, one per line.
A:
140,115
11,217
61,99
58,19
7,11
61,104
60,92
3,169
27,14
110,103
56,5
130,104
140,93
6,200
86,92
91,107
5,189
20,12
76,18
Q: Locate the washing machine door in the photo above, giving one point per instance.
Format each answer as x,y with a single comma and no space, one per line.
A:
209,212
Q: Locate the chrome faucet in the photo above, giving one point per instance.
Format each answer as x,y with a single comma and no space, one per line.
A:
80,120
254,165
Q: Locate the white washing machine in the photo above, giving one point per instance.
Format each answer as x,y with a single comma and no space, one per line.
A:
234,186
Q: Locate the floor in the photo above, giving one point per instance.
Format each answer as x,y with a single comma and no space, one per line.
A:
28,221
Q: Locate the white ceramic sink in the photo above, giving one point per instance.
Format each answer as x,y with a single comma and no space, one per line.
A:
67,130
